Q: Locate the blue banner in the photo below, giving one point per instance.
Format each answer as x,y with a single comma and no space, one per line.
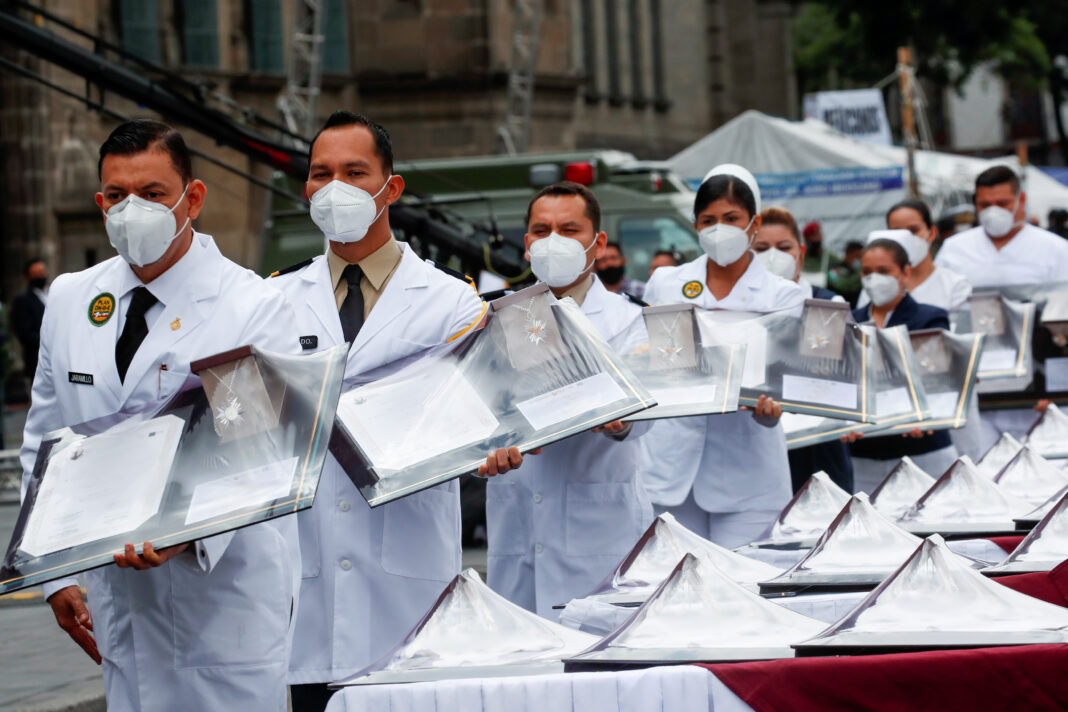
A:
828,182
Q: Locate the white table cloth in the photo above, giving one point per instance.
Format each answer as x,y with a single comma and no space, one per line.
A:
681,688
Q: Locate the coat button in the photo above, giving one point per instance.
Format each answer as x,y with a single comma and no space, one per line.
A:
343,506
346,564
537,499
538,548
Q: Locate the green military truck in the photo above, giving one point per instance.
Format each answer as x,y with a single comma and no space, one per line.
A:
644,207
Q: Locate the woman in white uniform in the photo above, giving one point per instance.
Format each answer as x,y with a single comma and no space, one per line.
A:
725,477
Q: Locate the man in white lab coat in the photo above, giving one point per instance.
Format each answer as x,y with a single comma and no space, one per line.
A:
369,575
199,626
1004,248
556,527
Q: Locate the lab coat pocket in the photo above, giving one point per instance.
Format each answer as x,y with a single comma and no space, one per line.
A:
508,516
310,553
239,613
598,518
169,382
421,534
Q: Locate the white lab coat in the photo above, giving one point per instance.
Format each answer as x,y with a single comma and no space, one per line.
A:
730,462
210,628
1032,256
370,574
561,522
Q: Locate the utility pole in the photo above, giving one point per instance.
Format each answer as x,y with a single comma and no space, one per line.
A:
515,131
304,73
907,77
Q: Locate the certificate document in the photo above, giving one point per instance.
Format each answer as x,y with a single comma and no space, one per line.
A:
566,402
103,485
684,395
233,493
819,390
391,419
893,402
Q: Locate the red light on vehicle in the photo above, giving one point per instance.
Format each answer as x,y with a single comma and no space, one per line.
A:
656,180
581,173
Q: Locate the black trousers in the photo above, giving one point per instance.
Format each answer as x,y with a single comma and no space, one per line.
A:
310,698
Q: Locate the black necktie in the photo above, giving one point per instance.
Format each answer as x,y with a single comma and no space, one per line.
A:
351,312
134,331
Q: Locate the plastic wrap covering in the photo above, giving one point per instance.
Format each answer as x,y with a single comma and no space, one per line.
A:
1031,478
659,550
1029,520
1007,326
246,446
815,364
998,455
936,600
1049,434
699,615
1044,547
905,484
805,517
900,394
538,372
470,631
685,375
860,548
962,501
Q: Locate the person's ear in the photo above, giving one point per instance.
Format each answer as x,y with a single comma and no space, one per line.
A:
527,241
195,195
394,189
599,243
757,222
932,235
99,198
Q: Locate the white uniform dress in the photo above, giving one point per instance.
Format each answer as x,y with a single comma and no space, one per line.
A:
209,629
560,523
725,476
1032,256
370,574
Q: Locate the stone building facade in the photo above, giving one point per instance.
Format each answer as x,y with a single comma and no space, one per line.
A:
647,76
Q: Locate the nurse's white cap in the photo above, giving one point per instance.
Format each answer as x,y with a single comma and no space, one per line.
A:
742,174
915,247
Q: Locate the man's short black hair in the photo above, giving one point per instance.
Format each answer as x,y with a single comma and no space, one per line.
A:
30,263
668,253
997,175
615,244
564,188
140,135
383,144
854,245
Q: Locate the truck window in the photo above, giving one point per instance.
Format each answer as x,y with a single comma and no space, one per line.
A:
643,237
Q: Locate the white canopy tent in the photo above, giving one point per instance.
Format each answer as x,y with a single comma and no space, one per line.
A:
847,186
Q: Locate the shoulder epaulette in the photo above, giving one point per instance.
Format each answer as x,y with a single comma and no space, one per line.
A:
634,299
292,268
453,273
494,294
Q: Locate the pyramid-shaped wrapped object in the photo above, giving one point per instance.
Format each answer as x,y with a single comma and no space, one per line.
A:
470,631
698,614
935,600
805,517
963,501
905,484
1043,548
860,547
1032,518
658,552
1049,434
1031,477
998,455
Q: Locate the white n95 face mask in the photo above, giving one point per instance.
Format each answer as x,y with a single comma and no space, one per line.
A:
344,212
724,244
140,230
997,221
881,288
779,263
557,260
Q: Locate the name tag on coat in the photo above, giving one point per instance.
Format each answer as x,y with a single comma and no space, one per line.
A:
86,379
